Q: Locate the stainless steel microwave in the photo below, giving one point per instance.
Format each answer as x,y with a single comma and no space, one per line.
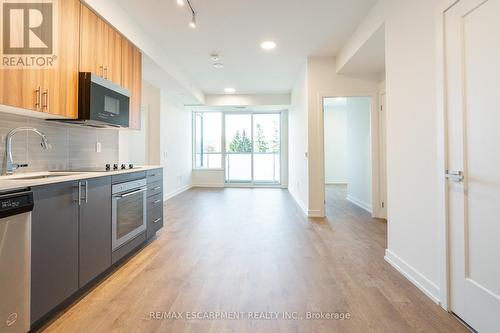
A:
102,102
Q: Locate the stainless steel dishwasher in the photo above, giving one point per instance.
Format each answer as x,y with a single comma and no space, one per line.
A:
15,261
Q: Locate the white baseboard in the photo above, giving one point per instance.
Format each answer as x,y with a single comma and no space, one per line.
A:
299,202
177,192
420,281
214,185
314,213
360,203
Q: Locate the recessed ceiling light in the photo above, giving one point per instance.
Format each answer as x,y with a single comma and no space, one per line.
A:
180,2
268,45
230,90
218,65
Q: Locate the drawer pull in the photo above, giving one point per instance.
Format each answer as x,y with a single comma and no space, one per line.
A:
157,201
157,188
157,220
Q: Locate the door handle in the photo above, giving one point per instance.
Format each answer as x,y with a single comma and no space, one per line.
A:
157,220
455,176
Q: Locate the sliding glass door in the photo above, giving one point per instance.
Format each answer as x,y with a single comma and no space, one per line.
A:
253,148
238,128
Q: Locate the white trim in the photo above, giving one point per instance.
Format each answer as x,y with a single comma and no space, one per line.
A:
441,143
177,192
415,277
299,202
336,183
252,185
315,213
373,95
211,185
360,203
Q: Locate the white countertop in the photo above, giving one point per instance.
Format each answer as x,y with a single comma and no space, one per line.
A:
12,182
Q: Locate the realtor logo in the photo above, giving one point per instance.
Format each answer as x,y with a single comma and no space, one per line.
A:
28,30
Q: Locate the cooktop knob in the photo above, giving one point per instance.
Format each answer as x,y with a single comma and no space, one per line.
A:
130,166
124,166
115,166
108,167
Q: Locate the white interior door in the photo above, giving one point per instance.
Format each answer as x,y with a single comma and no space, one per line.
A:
473,99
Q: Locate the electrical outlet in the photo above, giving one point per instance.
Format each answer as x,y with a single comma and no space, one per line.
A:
98,147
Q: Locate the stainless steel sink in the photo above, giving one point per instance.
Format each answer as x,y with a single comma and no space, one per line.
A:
45,176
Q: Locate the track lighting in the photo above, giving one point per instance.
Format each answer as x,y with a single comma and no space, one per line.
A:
192,24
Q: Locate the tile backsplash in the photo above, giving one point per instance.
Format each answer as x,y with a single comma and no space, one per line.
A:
72,146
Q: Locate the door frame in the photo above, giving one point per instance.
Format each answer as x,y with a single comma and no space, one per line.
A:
375,152
442,156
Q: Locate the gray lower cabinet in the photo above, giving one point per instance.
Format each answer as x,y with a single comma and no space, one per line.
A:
54,247
154,201
95,228
71,235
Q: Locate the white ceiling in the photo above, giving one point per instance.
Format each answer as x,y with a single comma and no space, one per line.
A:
234,29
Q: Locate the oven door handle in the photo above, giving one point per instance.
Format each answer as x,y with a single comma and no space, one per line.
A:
144,189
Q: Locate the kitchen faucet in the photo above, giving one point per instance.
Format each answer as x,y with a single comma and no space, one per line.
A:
10,165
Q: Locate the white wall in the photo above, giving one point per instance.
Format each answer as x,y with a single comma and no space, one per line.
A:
359,161
411,136
164,139
415,240
323,81
298,179
142,146
175,146
335,144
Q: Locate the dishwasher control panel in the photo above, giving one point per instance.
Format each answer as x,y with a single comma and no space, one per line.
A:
15,203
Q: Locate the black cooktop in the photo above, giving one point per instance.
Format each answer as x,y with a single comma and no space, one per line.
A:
106,168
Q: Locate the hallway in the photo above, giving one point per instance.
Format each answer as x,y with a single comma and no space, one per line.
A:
247,250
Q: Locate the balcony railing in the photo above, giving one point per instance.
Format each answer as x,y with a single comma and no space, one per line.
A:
266,168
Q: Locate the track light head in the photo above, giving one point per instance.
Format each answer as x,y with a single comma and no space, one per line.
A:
192,24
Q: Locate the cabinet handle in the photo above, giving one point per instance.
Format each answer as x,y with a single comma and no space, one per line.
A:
37,97
106,72
101,71
45,105
86,191
79,193
157,188
157,220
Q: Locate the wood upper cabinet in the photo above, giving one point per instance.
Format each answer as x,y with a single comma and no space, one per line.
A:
100,47
132,80
59,95
54,90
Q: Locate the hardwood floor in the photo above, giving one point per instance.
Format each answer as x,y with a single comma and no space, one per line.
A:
244,250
